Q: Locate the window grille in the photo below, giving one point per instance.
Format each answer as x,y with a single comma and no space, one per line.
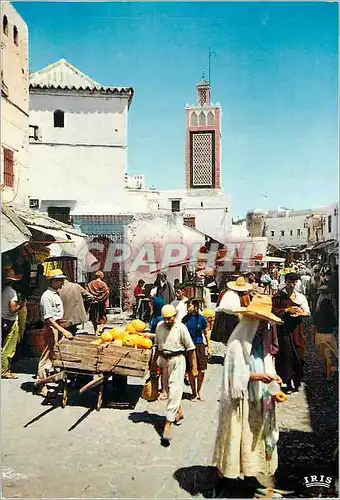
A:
8,168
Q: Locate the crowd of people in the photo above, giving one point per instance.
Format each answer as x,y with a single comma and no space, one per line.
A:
264,329
262,319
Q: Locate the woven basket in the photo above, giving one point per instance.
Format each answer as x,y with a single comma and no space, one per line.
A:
150,391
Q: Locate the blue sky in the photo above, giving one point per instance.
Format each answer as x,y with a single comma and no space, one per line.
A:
274,74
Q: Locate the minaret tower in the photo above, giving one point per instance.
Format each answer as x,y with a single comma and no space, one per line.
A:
203,142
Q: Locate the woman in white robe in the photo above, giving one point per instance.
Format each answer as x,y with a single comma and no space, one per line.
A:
247,432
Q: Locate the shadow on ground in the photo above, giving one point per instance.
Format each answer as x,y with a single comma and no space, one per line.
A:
216,360
311,453
196,480
199,480
28,366
157,421
112,398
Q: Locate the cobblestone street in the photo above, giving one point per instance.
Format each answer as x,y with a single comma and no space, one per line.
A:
78,452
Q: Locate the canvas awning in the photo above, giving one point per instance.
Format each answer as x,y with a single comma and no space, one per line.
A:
20,225
77,247
273,259
11,236
43,223
13,231
57,234
308,249
323,245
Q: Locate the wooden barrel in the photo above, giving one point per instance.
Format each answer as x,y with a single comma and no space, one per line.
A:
33,311
35,340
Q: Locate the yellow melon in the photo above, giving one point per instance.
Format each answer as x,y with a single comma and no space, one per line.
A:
138,325
118,342
135,338
106,336
118,332
127,341
145,343
130,328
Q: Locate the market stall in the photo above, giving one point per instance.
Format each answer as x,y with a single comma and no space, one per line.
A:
27,239
118,351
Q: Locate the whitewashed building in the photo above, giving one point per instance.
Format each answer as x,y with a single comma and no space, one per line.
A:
79,161
135,181
14,106
295,228
331,221
209,212
289,230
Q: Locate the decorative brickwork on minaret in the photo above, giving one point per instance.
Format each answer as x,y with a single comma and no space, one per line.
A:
203,142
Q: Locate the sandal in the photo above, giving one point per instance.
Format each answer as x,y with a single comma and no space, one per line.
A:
179,416
9,375
162,397
166,436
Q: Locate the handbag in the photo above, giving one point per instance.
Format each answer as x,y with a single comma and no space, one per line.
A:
150,390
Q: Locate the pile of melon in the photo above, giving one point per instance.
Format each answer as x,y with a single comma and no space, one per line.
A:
132,335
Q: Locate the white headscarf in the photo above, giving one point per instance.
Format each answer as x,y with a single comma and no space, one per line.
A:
301,301
229,302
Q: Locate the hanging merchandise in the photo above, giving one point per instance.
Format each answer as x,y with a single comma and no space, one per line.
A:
39,252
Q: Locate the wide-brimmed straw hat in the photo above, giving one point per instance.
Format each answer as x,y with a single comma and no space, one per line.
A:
239,285
260,308
55,274
9,275
168,311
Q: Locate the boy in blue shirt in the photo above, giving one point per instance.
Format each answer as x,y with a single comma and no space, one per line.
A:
198,329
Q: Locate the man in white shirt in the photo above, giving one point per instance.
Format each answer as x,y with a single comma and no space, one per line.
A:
52,312
171,343
180,304
10,306
305,280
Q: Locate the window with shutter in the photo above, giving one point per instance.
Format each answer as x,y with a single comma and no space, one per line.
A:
8,168
15,35
5,25
175,206
58,118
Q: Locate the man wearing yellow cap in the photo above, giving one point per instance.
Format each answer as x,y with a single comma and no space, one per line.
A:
172,341
52,312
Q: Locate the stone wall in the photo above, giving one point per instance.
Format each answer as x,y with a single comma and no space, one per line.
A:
14,103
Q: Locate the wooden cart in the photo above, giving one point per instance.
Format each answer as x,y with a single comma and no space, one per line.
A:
80,357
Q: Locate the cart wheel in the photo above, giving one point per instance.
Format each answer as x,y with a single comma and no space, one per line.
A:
65,394
100,396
